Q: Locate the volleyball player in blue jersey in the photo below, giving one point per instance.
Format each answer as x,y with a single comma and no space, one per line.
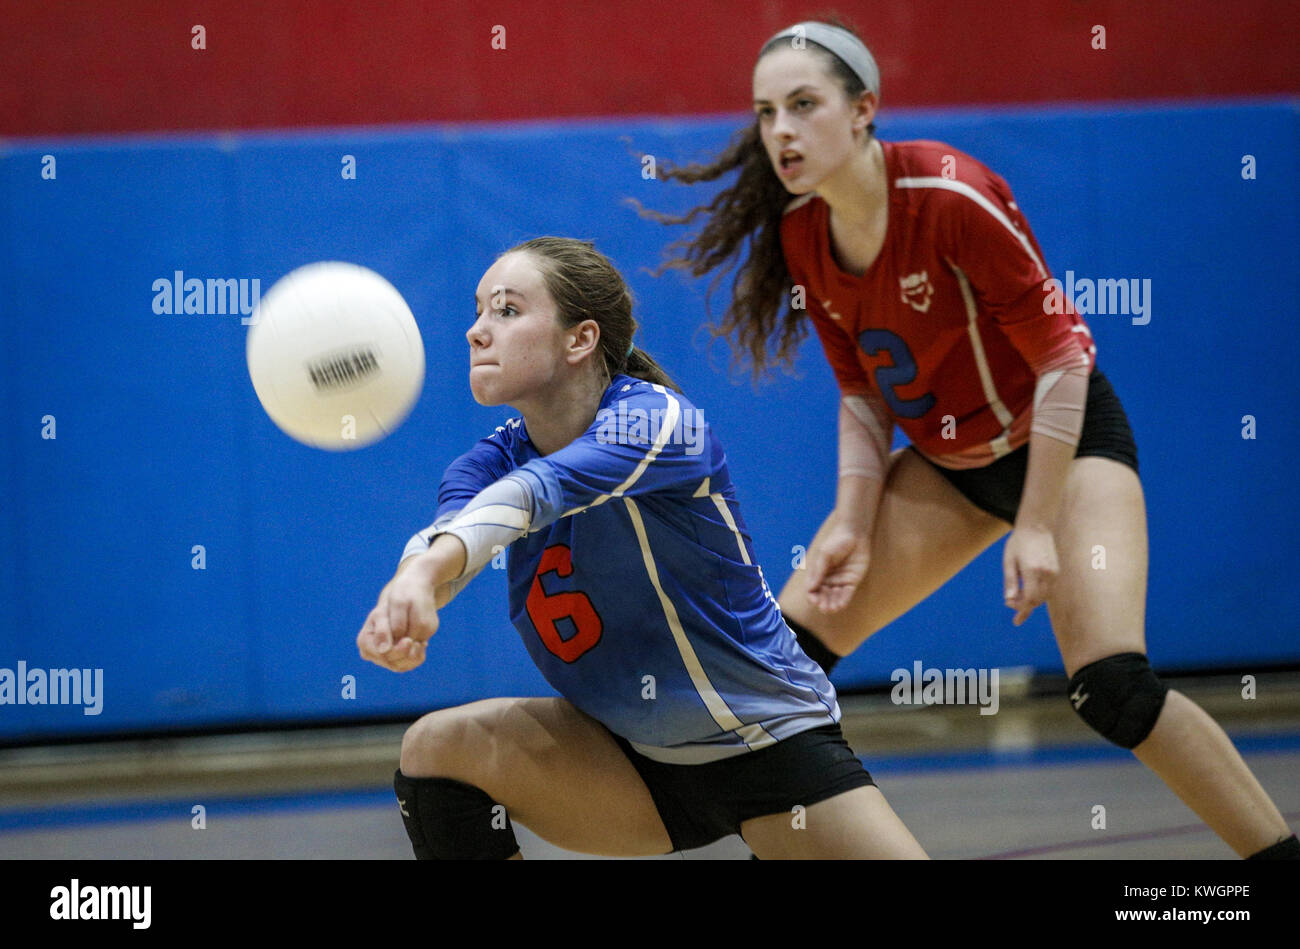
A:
689,711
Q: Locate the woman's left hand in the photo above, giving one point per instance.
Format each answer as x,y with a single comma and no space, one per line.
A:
1029,567
406,616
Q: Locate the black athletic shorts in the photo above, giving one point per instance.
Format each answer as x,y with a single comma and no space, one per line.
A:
701,803
996,487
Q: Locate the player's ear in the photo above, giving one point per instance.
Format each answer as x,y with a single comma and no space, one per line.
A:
583,339
864,110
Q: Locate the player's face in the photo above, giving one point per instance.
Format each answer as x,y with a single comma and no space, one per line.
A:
806,120
516,342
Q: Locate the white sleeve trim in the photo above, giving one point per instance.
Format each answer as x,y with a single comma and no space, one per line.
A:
421,541
494,519
864,438
497,516
960,187
1060,400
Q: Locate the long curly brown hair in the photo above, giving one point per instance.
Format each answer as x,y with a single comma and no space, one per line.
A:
744,224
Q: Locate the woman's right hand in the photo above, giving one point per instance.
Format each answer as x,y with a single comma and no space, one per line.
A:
836,564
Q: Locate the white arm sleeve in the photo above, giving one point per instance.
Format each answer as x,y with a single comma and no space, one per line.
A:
494,519
421,542
1059,401
866,431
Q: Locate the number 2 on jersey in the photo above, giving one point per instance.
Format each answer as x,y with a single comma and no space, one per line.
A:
573,605
902,372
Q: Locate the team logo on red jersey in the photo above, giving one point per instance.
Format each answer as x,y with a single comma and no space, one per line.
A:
917,290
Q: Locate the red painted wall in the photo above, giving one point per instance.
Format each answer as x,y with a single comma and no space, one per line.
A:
127,65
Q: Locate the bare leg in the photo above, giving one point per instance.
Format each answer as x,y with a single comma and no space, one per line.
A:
925,532
556,770
1100,612
855,825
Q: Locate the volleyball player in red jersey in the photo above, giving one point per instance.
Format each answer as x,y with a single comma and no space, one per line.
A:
931,299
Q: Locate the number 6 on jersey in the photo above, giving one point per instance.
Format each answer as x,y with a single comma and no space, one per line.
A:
574,605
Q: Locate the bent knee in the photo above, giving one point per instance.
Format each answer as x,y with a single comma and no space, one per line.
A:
1120,697
452,742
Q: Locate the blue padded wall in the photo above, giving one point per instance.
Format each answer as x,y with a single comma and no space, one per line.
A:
161,444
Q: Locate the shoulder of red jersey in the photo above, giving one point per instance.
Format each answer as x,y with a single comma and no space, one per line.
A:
936,169
959,194
926,158
930,172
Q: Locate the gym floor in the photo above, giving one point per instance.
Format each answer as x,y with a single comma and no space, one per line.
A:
1031,782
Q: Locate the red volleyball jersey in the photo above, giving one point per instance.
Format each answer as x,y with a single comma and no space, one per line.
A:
953,322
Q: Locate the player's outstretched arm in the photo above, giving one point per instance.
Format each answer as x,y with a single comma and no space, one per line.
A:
456,548
406,616
839,561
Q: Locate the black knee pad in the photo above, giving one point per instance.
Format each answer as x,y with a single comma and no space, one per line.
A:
813,647
451,820
1120,697
1288,849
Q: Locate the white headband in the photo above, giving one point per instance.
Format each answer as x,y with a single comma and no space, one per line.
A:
842,43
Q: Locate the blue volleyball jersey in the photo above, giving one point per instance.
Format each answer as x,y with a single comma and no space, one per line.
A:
635,590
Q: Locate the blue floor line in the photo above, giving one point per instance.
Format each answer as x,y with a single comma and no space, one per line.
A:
69,815
1047,755
72,815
